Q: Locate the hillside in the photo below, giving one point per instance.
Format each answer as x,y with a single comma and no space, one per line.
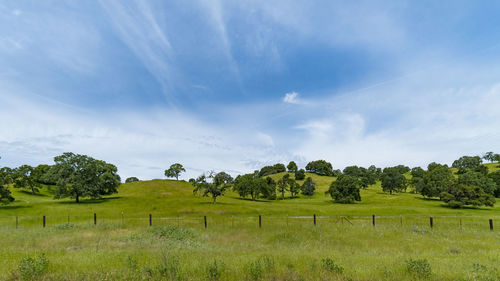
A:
169,198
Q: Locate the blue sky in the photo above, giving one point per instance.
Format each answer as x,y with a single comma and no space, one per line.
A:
235,85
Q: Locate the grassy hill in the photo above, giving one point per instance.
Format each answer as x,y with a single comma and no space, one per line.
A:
169,198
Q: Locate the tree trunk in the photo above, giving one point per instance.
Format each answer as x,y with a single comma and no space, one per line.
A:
390,191
253,196
77,198
32,191
283,195
176,177
215,198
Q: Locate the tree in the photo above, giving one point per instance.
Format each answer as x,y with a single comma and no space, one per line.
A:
300,174
174,171
250,184
393,180
292,167
23,178
39,174
436,179
495,177
282,185
213,185
476,179
270,170
417,179
83,176
489,156
131,179
294,187
5,178
320,167
345,189
458,195
366,177
308,187
269,192
465,163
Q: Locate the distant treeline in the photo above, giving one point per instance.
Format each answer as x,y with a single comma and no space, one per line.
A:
78,176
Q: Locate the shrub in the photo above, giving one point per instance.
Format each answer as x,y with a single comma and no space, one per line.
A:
31,268
214,270
420,268
131,179
170,268
257,269
329,265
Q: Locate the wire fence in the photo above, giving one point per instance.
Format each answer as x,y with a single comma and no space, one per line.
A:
258,221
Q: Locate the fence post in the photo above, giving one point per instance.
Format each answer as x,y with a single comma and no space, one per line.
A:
460,223
373,220
205,219
260,221
43,221
122,217
95,218
401,220
314,218
150,220
491,224
431,221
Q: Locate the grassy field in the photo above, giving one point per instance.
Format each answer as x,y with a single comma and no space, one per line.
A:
401,246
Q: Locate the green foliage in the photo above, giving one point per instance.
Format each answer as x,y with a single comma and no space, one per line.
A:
329,265
257,269
174,171
419,268
292,167
459,195
32,268
213,185
320,167
393,180
465,163
294,187
308,187
83,176
283,185
5,178
477,179
131,179
367,177
23,178
270,170
5,195
495,177
435,180
40,174
345,189
300,174
489,156
251,184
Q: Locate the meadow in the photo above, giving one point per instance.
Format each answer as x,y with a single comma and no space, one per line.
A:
343,245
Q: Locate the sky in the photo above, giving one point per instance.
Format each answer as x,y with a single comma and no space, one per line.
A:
236,85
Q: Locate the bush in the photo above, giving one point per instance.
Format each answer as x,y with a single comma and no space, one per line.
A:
300,174
31,268
329,265
131,179
214,270
419,268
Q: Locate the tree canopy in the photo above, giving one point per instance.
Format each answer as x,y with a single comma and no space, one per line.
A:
308,187
292,167
458,195
345,189
131,179
174,171
213,185
393,180
465,163
5,178
300,174
320,167
83,176
270,170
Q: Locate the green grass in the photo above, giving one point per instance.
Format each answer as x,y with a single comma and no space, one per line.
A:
287,247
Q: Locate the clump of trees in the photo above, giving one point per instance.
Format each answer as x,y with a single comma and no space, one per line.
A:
212,185
270,170
131,179
254,186
300,174
174,171
320,167
394,180
5,196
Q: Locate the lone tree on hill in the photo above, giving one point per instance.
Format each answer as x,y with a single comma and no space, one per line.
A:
292,167
308,187
213,185
174,171
83,176
393,180
345,189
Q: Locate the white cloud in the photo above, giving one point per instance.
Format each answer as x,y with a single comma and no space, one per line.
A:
292,97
